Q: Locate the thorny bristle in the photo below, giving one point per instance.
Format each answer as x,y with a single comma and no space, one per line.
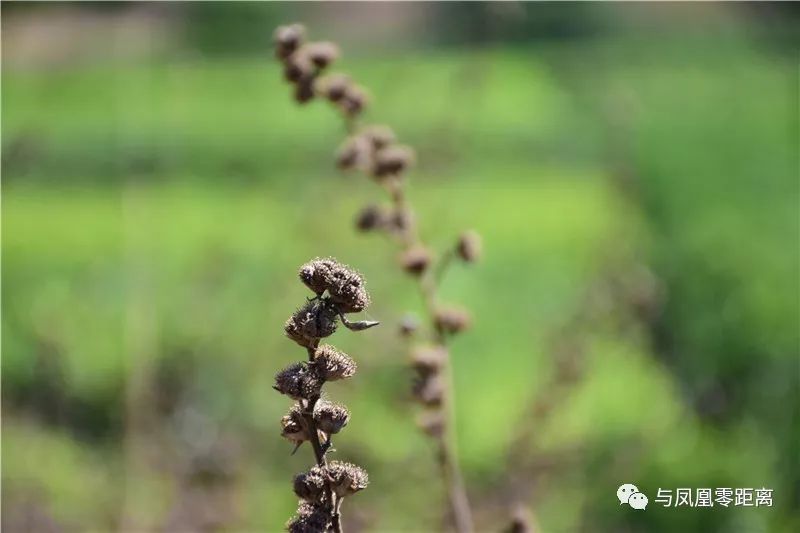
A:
332,364
333,87
293,426
330,417
415,260
452,319
288,39
428,360
379,136
321,54
429,390
433,423
310,486
469,246
310,518
346,478
312,322
372,217
392,161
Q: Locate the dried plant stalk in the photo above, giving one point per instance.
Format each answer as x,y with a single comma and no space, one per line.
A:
374,151
338,290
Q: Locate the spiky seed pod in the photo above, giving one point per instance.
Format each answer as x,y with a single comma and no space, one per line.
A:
379,136
333,87
312,322
332,365
304,90
298,67
311,518
293,427
469,246
354,101
310,486
415,260
408,325
321,53
372,217
433,423
353,153
314,274
452,319
288,39
428,360
289,381
429,390
346,478
392,161
330,417
347,290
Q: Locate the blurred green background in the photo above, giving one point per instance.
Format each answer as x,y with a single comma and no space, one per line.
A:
632,169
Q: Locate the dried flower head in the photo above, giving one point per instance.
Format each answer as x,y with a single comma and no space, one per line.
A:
392,161
353,153
432,423
293,426
333,86
347,290
311,518
298,381
321,54
332,365
372,217
314,274
429,390
314,321
428,360
469,246
415,260
288,39
346,478
330,417
452,319
310,486
379,136
304,90
354,101
298,67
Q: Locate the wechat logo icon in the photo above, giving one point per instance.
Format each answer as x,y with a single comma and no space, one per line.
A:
629,493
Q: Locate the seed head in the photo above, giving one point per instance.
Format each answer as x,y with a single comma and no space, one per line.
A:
332,365
333,86
304,90
428,360
379,136
311,518
293,426
288,39
347,290
314,274
298,67
298,381
310,486
314,321
452,319
429,390
321,53
372,217
330,417
392,161
353,153
346,478
354,101
415,260
469,246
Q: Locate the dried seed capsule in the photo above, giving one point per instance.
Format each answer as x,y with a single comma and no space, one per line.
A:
321,53
392,161
379,136
415,260
346,478
311,518
304,90
372,217
433,423
452,319
427,360
310,486
330,417
333,86
293,427
314,274
289,381
332,365
429,390
347,290
354,153
312,322
354,101
288,39
298,67
469,246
